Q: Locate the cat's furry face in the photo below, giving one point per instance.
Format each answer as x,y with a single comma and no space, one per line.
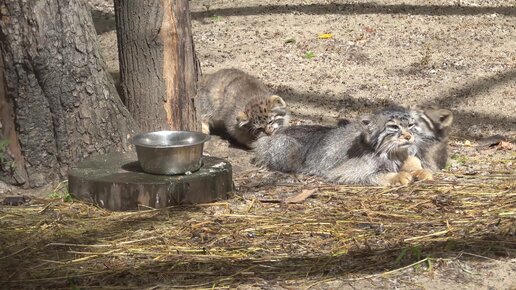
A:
431,136
432,124
264,115
431,128
390,131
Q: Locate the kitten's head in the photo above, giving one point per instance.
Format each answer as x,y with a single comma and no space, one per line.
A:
266,115
389,130
432,124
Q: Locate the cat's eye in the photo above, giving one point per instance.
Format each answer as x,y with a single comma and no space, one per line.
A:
411,125
393,127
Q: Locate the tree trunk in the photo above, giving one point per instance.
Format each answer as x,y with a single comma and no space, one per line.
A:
58,104
158,68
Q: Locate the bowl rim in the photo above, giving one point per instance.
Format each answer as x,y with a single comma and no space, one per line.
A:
204,140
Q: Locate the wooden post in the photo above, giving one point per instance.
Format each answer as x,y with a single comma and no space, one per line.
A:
158,69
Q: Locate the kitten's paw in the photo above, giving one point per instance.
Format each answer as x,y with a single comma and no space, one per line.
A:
395,179
422,174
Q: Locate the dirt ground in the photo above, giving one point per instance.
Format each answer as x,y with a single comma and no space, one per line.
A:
458,55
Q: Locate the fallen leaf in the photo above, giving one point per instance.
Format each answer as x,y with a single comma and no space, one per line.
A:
505,145
490,141
325,36
298,198
216,18
290,40
369,29
467,143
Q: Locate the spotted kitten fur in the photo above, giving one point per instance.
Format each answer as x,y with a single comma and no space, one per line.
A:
240,105
371,150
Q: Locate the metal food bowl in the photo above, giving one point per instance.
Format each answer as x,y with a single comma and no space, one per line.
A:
170,152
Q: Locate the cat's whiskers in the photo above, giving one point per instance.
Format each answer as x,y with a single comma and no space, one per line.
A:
385,145
254,130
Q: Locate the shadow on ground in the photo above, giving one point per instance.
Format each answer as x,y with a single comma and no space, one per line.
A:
357,8
105,22
202,269
451,97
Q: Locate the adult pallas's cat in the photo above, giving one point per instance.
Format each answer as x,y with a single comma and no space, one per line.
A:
241,105
371,150
431,130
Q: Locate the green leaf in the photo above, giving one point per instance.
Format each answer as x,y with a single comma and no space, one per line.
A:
309,55
416,251
216,18
67,197
290,40
401,256
429,264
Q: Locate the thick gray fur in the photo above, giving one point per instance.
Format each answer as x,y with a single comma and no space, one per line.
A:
353,153
431,132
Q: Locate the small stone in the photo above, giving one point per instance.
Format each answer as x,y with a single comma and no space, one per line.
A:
15,200
5,188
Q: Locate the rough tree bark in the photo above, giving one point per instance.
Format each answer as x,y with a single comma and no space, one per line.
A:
58,104
158,68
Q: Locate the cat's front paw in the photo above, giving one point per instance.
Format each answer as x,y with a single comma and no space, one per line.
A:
411,164
422,174
396,179
401,178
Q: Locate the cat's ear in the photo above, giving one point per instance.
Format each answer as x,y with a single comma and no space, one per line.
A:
242,119
442,117
445,117
366,119
275,102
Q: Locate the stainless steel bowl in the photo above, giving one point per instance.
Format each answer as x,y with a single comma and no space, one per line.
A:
170,152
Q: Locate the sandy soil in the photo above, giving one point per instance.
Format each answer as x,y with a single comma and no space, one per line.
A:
458,55
454,54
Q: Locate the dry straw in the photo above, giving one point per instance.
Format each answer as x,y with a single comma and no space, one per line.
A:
337,232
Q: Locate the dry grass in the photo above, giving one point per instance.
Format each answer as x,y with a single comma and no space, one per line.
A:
342,231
